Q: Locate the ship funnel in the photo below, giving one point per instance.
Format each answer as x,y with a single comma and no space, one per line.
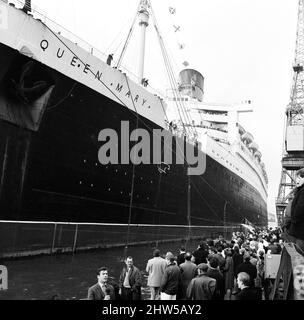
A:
191,83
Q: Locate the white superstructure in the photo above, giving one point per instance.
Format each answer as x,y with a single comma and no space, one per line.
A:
233,148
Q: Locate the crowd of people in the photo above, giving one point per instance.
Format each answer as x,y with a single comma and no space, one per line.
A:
218,269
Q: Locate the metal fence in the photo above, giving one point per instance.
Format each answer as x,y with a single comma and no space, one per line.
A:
27,238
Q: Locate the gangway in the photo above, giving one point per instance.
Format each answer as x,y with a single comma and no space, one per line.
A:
289,280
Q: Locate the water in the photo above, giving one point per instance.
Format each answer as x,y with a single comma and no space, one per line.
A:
70,276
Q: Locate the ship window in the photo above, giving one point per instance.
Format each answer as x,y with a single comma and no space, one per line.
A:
80,182
109,189
92,185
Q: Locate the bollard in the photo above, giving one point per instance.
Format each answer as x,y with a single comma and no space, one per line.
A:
3,278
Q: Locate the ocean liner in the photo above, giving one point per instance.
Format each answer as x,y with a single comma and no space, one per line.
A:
56,97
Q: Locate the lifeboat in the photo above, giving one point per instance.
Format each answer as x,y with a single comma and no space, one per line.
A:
258,154
247,137
253,146
241,130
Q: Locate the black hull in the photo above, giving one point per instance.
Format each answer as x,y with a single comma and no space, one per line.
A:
53,173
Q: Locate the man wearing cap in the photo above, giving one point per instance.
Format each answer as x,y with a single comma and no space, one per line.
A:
156,268
170,280
202,287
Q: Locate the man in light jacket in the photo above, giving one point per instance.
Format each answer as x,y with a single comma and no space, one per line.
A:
156,268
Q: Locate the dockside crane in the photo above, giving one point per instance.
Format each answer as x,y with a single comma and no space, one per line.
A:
293,147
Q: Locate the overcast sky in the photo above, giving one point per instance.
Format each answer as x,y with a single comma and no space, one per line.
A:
243,48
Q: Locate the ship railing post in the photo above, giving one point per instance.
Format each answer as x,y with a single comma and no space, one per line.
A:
54,238
75,238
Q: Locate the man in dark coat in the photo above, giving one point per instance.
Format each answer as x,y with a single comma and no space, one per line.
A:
214,272
181,256
130,281
247,292
237,259
200,254
249,268
102,290
202,287
188,272
171,279
221,259
109,59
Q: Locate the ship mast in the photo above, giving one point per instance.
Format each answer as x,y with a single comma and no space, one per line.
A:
143,15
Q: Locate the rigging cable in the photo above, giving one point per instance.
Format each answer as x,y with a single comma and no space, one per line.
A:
133,177
113,41
127,41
